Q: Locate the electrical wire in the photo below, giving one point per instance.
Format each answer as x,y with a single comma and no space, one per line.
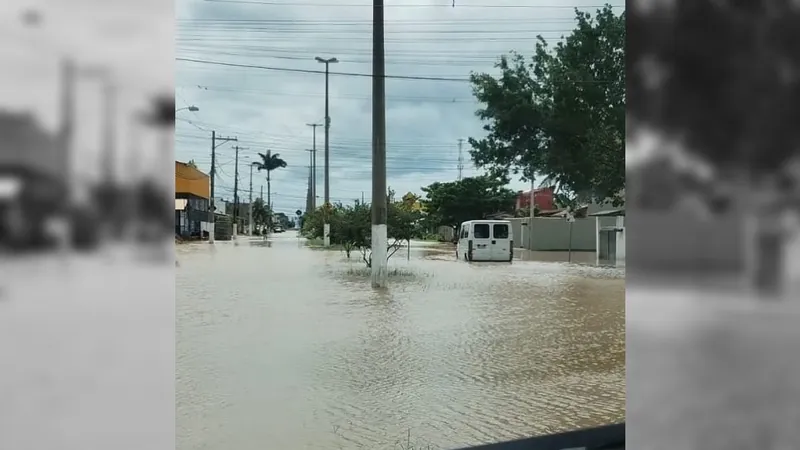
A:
448,4
286,69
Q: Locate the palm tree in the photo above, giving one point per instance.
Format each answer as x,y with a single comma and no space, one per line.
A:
269,162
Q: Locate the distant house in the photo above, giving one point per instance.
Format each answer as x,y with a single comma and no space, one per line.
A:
192,194
544,199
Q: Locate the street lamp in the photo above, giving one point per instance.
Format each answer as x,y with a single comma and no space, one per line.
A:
327,227
190,108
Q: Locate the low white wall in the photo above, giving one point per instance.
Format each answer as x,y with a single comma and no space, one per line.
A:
553,234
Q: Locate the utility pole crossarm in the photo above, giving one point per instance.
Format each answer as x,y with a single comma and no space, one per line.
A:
222,140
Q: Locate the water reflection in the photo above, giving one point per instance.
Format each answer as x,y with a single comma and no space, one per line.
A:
287,347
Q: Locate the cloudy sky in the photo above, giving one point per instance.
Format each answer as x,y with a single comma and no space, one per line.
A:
268,106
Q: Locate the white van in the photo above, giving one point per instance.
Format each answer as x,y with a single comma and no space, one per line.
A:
485,240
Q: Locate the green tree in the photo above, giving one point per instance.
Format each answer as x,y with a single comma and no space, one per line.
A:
470,198
269,162
560,114
261,212
351,227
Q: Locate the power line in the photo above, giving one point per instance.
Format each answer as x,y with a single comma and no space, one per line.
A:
286,69
417,99
448,4
368,22
354,74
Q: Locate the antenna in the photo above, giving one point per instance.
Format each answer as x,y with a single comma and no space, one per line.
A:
460,159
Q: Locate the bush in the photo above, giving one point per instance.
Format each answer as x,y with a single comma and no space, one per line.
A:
351,227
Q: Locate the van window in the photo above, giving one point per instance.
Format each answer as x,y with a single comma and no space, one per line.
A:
464,232
481,231
500,231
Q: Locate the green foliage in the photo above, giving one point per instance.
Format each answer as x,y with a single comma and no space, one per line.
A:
269,162
455,202
562,113
351,227
261,212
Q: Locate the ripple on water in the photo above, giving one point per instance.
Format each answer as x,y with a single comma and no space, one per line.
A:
291,347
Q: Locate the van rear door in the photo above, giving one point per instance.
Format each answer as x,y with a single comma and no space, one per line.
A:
501,242
481,242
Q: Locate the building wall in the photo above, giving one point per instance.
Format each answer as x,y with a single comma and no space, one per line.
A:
543,198
189,180
551,234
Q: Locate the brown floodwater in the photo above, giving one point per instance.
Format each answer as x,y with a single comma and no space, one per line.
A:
283,346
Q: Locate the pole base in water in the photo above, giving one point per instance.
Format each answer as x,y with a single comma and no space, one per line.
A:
326,234
380,263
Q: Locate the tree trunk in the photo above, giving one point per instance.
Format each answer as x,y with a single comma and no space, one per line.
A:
269,199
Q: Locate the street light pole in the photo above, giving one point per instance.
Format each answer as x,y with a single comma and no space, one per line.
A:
379,202
314,160
327,226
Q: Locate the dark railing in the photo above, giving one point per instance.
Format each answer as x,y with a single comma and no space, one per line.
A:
609,437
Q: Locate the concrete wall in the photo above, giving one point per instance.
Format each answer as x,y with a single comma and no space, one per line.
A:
445,233
553,234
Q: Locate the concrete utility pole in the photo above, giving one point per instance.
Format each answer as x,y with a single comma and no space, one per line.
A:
314,160
327,226
311,204
236,192
532,213
380,269
250,205
460,159
211,207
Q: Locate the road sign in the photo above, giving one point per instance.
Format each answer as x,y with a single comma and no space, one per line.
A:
298,212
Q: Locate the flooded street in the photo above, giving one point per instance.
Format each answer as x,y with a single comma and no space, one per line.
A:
283,346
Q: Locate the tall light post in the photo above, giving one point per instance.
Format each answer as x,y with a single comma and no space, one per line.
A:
313,185
326,228
191,108
380,205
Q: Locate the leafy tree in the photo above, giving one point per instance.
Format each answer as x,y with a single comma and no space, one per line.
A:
560,114
261,212
471,198
351,227
269,162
